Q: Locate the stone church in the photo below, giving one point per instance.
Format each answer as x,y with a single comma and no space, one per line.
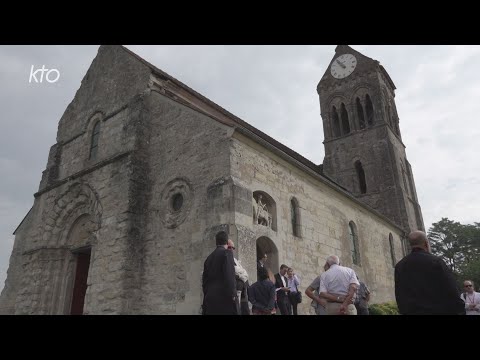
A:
145,171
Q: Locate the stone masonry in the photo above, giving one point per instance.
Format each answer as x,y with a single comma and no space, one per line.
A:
172,169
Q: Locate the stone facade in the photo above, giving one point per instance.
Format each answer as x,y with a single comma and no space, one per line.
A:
325,214
372,139
171,169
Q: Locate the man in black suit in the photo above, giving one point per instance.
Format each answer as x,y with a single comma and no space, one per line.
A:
281,285
424,285
261,263
218,280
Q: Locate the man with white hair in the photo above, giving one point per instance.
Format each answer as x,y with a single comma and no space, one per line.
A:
471,298
241,277
338,285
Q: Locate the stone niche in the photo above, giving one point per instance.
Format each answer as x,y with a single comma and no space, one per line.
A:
264,210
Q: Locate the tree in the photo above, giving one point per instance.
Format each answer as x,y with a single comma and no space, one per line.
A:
471,239
471,271
447,241
459,246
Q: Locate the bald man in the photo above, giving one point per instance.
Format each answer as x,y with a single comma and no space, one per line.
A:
424,285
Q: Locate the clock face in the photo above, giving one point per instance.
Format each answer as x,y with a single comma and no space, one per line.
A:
343,66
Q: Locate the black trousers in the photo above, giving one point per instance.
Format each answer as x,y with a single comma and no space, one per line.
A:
361,310
293,304
284,305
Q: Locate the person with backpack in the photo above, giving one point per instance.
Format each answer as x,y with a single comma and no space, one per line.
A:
262,294
362,299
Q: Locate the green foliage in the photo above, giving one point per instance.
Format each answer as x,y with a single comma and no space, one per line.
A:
470,271
446,241
459,246
388,308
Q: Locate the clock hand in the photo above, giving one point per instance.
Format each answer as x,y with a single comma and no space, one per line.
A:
341,64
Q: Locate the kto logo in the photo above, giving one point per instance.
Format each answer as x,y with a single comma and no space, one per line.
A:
51,78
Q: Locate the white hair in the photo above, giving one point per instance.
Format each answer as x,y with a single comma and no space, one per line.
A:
240,271
333,259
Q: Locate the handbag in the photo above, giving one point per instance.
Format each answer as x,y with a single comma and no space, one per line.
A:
297,296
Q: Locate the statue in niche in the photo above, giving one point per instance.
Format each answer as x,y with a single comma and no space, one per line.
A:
261,215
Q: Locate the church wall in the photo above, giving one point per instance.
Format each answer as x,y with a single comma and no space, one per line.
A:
115,138
411,218
104,187
108,190
325,214
408,198
47,263
14,273
112,80
188,154
383,192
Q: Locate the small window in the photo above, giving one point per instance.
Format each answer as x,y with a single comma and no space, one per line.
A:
361,116
94,143
369,109
354,243
177,202
410,179
404,176
404,246
336,122
392,249
361,177
345,122
295,214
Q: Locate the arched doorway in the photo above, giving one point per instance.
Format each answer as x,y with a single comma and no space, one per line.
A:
82,264
266,246
80,238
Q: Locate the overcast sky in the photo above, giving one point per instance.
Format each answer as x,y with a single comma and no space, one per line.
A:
274,89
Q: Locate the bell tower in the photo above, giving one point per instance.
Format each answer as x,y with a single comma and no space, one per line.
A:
364,151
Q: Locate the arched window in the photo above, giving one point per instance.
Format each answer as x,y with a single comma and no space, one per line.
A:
395,118
336,122
345,123
352,233
392,249
295,213
404,176
410,179
361,116
369,109
391,114
405,248
361,177
94,143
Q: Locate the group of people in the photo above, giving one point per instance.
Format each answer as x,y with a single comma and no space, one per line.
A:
286,295
224,281
226,288
423,285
